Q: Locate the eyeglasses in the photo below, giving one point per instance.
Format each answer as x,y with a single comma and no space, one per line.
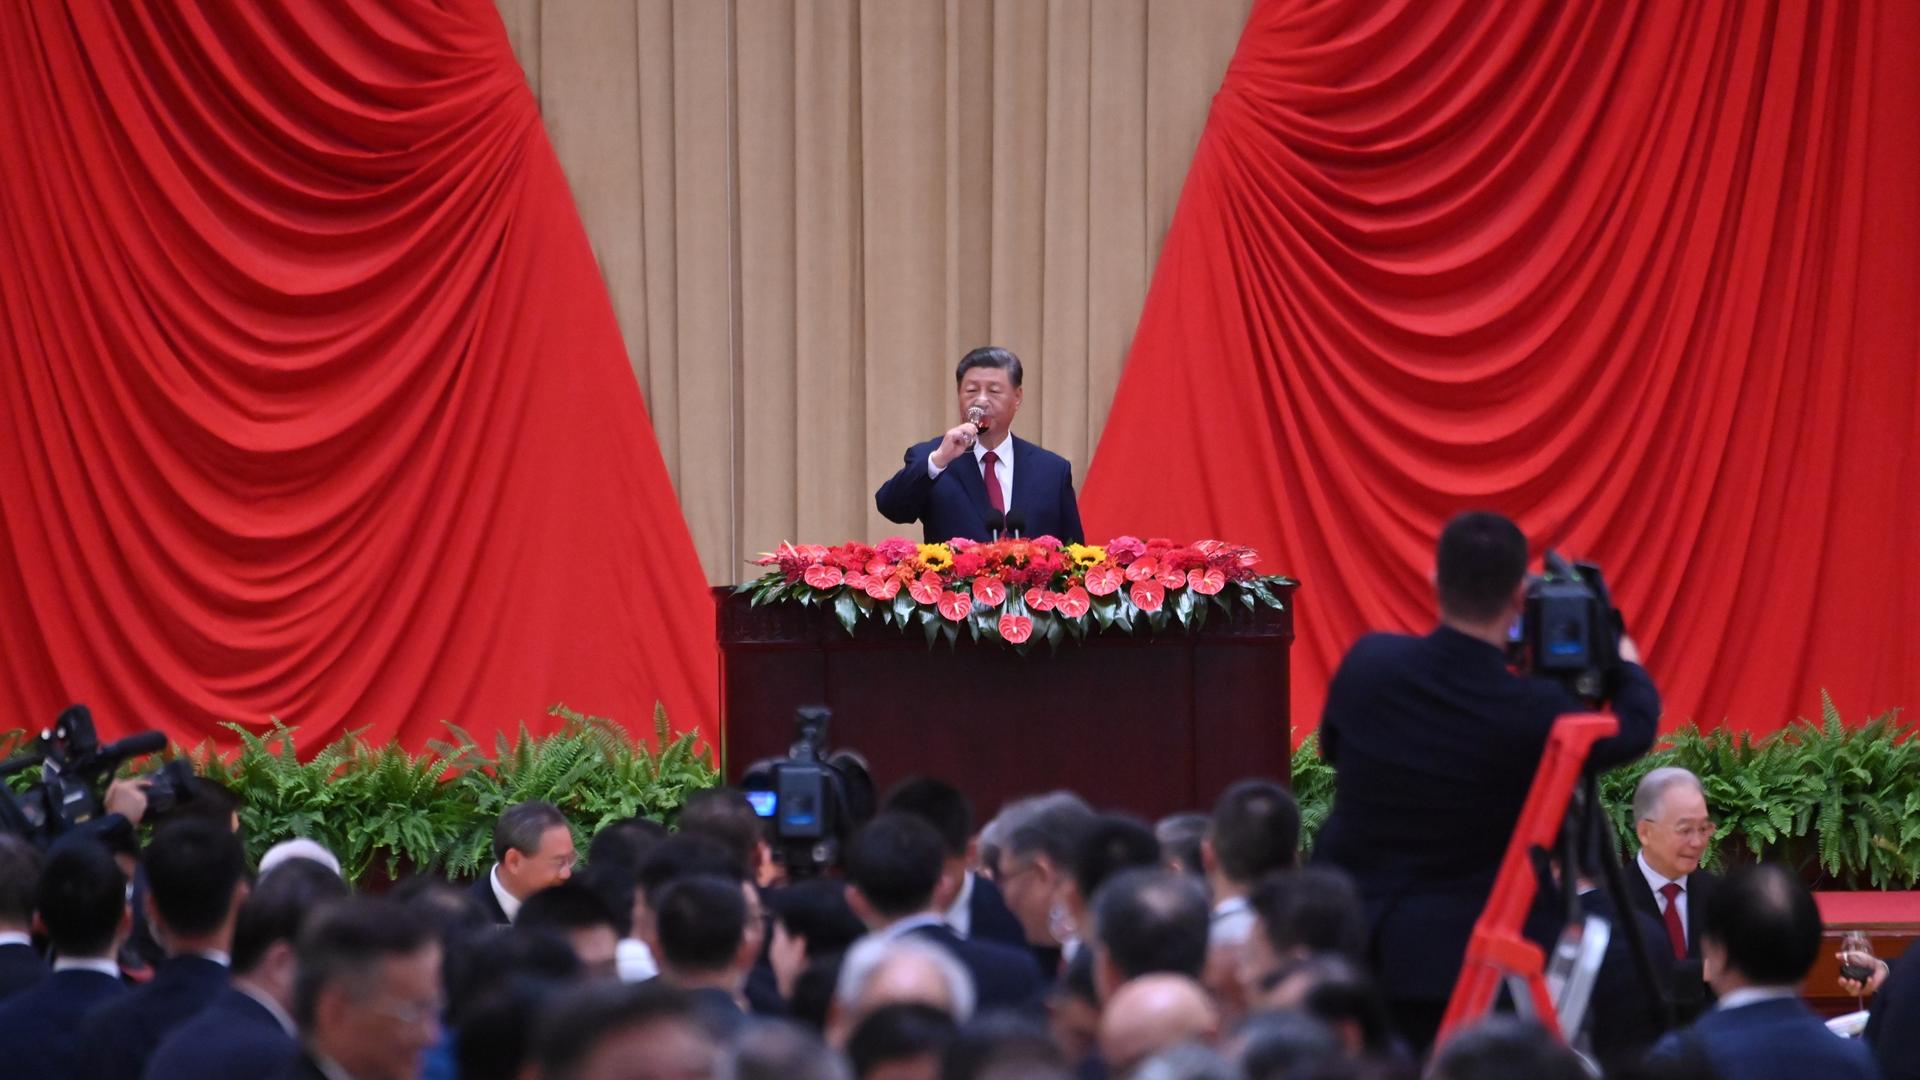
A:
1701,831
410,1013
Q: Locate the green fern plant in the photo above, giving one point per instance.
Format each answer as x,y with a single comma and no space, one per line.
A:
1312,784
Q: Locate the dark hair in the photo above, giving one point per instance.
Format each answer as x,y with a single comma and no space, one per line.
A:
816,909
680,856
725,816
483,960
522,825
1315,908
451,912
1054,832
20,864
1506,1048
1764,917
202,799
1076,979
82,895
574,1025
989,356
615,886
1279,1045
564,908
494,1041
625,843
773,1049
1153,920
1255,829
1112,843
813,991
194,868
1001,1040
346,942
700,920
940,805
894,1032
1339,991
1179,836
1482,559
895,861
278,907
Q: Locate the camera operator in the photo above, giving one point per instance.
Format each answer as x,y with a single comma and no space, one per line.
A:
1435,742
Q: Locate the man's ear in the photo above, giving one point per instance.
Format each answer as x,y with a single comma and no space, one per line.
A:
1209,862
512,860
973,852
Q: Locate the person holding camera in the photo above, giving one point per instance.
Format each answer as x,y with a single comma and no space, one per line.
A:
1435,742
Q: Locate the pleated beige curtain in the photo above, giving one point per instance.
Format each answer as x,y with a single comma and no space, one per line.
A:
807,210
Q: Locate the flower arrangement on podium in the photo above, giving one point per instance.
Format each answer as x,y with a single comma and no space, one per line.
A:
1018,590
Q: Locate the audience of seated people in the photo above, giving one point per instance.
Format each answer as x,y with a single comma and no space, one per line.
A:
1059,942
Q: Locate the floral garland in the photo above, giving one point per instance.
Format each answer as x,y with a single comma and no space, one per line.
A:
1017,590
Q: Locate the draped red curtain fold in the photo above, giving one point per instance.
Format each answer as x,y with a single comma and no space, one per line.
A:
1643,275
314,405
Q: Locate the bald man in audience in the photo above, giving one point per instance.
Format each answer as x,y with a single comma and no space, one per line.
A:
1151,1013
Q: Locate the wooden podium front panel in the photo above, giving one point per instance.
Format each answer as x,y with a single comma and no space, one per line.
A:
1149,725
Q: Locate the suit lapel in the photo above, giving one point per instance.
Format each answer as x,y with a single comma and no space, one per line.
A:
967,468
1024,479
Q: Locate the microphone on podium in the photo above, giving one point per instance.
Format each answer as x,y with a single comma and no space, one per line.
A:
996,523
1016,523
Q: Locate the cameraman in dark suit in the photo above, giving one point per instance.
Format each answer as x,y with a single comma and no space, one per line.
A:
996,473
1435,743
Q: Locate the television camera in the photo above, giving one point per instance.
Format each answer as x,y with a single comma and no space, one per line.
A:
75,769
812,800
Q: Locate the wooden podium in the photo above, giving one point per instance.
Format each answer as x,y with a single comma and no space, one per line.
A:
1146,724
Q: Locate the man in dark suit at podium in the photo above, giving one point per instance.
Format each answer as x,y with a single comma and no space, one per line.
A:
978,472
1435,743
1665,880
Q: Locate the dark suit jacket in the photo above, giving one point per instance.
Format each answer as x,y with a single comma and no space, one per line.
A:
1692,996
955,503
20,968
117,1038
233,1038
1625,1020
1893,1029
989,918
718,1011
39,1027
1003,977
482,893
1780,1039
1434,743
302,1067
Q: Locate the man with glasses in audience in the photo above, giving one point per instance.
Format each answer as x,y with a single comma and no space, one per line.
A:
1665,879
367,993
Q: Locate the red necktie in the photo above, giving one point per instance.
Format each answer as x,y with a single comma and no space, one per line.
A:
1675,931
994,498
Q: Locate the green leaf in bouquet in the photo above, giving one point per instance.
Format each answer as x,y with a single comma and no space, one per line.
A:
1105,610
950,631
1056,630
930,622
1183,605
902,606
847,610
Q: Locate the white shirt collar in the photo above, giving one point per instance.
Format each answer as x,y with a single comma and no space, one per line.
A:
1002,454
508,902
1754,995
15,937
214,955
1232,905
266,1002
1655,879
101,964
960,912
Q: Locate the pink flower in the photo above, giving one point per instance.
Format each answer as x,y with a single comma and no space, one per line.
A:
990,591
824,577
857,580
883,587
1142,569
1016,628
1206,582
896,548
1148,595
1073,603
1171,577
1124,549
926,588
955,606
1040,599
1105,579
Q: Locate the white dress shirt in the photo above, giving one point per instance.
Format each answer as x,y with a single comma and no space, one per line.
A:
508,902
959,914
1003,467
1656,881
15,937
1231,923
1754,995
100,964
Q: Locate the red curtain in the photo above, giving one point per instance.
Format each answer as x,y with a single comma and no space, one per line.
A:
1643,275
312,404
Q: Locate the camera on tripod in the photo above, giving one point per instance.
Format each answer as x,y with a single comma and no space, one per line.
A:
811,801
1569,630
74,772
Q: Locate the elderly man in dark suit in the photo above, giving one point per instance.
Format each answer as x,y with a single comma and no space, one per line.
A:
367,998
82,903
532,849
956,485
1435,742
1759,936
248,1031
20,965
1665,880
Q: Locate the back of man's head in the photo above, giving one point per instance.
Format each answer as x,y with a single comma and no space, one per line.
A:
279,907
1255,830
724,816
1053,829
81,898
1108,845
574,911
895,861
701,922
899,1035
1766,922
940,805
782,1050
996,837
625,844
201,799
1313,909
1003,1044
522,825
1180,835
20,865
598,1023
484,960
1482,559
1506,1048
1152,920
194,871
344,944
680,856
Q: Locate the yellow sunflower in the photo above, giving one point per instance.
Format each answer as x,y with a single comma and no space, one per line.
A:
1086,555
937,557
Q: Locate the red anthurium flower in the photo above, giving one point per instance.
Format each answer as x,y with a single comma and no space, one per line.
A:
1148,595
1171,577
1143,568
1040,599
857,580
824,576
925,588
990,590
1105,580
1206,582
955,606
1016,628
1073,603
883,587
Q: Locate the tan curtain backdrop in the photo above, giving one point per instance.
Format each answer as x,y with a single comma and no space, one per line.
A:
807,210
